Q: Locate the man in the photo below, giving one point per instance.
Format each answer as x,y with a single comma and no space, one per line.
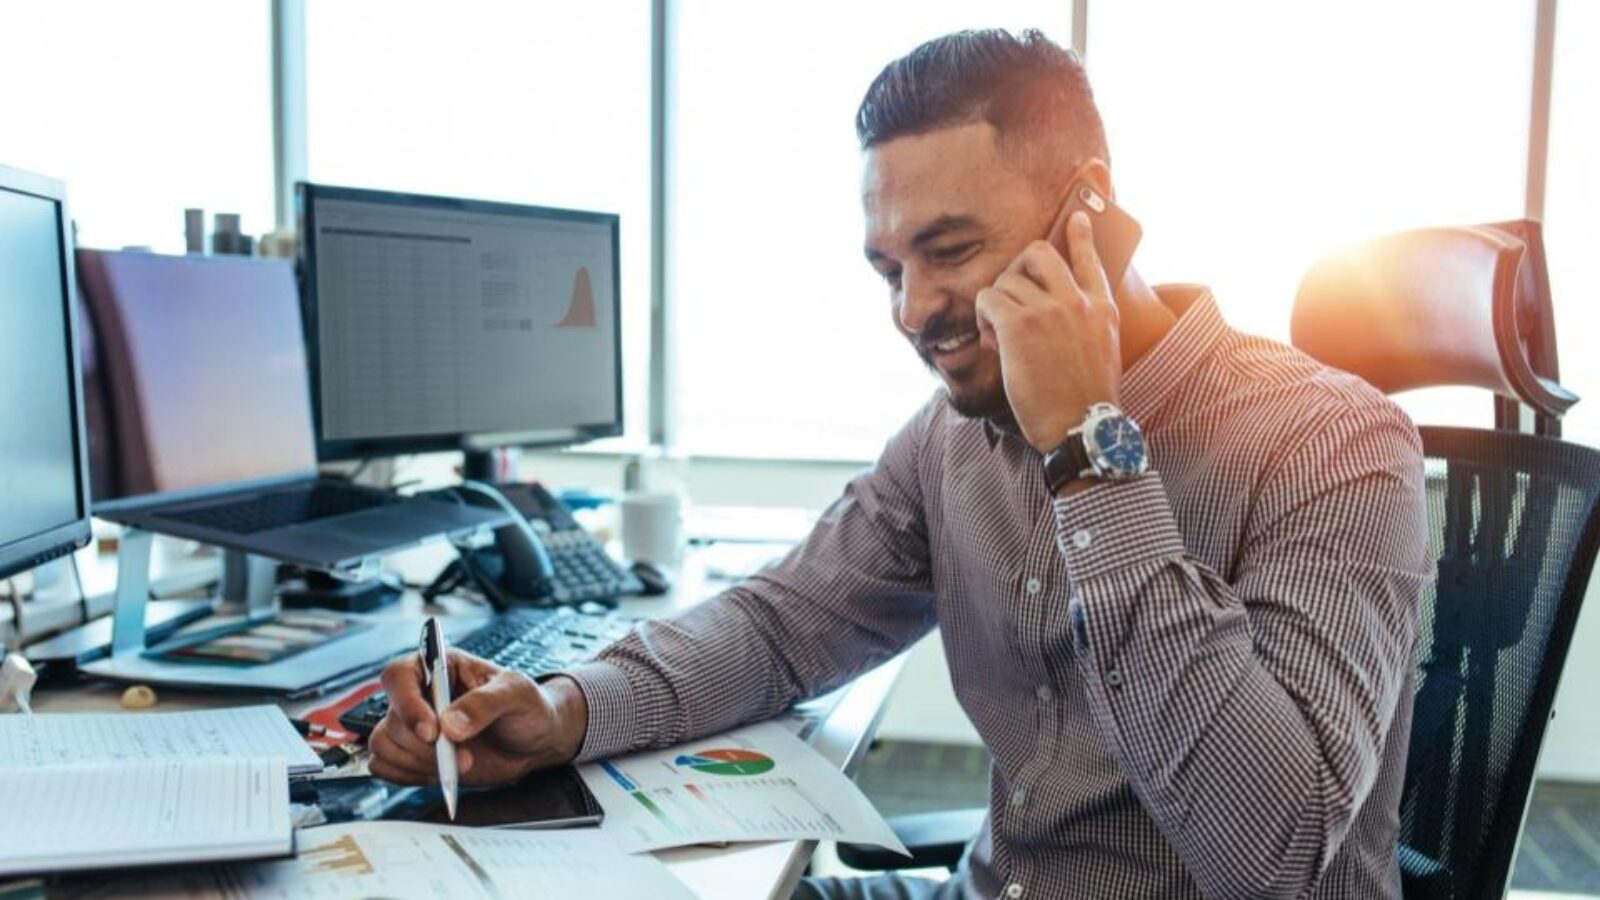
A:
1194,680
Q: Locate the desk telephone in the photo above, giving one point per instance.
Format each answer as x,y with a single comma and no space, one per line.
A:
554,561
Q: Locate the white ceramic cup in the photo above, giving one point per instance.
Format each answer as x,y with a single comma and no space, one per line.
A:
652,527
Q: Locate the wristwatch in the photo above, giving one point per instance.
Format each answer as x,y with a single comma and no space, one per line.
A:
1107,446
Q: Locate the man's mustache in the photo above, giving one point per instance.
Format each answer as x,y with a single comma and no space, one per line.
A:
942,330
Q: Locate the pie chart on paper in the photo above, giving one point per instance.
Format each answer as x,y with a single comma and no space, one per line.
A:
726,762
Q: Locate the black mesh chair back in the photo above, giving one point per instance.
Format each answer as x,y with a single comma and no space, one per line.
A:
1514,524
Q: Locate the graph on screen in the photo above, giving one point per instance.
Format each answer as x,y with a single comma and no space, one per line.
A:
456,322
580,311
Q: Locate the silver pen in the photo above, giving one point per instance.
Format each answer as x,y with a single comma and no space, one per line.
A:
436,677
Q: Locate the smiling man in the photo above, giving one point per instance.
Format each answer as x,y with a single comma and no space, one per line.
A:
1174,567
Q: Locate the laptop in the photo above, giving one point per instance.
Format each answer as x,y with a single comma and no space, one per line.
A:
202,366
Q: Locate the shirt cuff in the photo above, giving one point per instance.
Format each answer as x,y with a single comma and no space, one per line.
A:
609,696
1116,525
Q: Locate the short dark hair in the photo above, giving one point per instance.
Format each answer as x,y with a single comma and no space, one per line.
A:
1032,90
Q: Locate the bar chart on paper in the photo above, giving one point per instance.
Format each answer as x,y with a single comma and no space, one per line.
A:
414,860
751,784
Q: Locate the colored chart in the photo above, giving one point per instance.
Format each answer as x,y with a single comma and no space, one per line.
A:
580,309
341,857
726,762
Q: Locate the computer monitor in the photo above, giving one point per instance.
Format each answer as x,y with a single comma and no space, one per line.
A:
200,364
44,485
436,323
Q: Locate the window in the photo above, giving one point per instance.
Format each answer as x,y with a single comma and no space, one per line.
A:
784,345
1250,149
1572,231
525,103
143,109
1572,210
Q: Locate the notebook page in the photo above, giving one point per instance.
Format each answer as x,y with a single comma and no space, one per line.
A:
248,731
97,816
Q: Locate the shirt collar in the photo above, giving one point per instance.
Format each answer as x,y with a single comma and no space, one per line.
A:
1152,377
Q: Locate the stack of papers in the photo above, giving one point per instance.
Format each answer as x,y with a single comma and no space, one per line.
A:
88,791
87,816
60,738
417,861
127,789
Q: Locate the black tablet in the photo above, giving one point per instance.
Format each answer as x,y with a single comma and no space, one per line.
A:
549,798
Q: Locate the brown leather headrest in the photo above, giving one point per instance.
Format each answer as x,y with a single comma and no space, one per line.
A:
1436,306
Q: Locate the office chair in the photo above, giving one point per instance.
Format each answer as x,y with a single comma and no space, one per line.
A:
1514,522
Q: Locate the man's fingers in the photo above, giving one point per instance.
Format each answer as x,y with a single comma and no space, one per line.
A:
388,771
393,756
478,709
1041,263
402,681
468,672
1087,269
993,307
410,742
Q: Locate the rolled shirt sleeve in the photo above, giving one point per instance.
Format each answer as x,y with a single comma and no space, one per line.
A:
853,594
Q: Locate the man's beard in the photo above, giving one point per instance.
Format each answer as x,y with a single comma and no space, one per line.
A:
986,401
973,400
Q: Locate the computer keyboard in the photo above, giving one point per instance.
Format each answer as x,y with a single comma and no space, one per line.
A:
264,512
531,640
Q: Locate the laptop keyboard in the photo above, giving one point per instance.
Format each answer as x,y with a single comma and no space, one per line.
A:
281,508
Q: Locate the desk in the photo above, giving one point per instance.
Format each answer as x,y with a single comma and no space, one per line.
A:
740,871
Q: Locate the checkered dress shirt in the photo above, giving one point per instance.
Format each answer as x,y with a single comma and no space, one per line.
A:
1197,683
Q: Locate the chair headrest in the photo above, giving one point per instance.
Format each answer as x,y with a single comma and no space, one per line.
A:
1456,305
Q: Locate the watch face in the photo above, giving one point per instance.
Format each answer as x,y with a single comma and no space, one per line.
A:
1120,445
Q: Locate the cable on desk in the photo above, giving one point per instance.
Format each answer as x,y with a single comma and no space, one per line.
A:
83,595
17,633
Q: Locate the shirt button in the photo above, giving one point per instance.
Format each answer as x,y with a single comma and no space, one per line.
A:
1018,797
1082,539
1114,677
1044,693
1013,891
1033,585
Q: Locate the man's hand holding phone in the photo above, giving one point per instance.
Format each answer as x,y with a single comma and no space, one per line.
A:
1054,322
503,724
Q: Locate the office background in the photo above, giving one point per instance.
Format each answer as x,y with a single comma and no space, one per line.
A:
1249,138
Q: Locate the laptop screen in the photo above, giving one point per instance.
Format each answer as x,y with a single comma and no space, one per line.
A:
203,364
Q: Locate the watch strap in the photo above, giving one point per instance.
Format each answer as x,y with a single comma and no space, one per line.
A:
1068,462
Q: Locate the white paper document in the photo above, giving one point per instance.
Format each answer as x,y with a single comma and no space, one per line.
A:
84,815
418,861
51,739
756,783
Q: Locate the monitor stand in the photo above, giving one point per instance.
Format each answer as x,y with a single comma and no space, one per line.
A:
323,591
490,466
248,583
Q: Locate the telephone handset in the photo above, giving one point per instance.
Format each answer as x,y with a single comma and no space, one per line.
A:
544,558
1116,233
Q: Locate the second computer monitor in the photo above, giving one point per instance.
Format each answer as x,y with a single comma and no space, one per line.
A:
44,492
437,323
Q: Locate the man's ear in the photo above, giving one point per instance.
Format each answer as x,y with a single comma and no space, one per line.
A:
1098,173
1095,170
